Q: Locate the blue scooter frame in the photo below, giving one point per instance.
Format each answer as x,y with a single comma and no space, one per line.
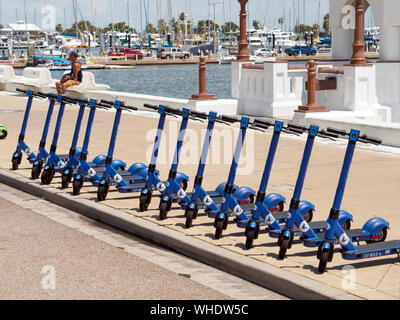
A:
21,145
335,233
153,182
286,233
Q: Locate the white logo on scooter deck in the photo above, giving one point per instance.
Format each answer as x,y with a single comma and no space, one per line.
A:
207,200
91,172
161,186
117,178
181,193
344,239
61,164
304,227
237,210
270,219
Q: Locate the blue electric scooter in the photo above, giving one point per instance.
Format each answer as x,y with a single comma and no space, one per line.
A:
295,224
335,233
174,192
244,196
153,182
137,172
21,145
77,157
261,210
56,163
42,156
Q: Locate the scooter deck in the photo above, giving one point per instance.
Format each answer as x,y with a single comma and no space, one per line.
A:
372,250
316,226
354,235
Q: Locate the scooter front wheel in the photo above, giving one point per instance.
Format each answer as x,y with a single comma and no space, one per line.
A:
65,180
36,170
77,185
16,160
323,261
283,248
102,191
164,210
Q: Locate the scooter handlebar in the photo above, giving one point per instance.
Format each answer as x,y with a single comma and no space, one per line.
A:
21,90
372,140
228,119
110,103
293,131
328,135
298,127
262,124
337,131
130,108
173,111
149,106
199,115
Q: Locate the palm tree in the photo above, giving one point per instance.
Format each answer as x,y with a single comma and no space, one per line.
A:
281,21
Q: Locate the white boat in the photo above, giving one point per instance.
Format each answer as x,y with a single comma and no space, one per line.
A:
226,59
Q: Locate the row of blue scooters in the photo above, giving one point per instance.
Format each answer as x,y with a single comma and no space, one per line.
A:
250,210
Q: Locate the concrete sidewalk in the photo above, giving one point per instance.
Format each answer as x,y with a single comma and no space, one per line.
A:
371,190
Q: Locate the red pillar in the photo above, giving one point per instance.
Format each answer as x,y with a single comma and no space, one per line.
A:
358,57
202,82
311,91
243,54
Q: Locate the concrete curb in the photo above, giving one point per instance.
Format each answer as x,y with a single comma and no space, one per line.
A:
265,275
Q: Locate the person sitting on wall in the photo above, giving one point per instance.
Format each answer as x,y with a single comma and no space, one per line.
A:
74,78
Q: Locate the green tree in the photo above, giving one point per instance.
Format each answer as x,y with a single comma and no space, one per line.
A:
230,25
256,24
162,27
281,21
326,24
59,28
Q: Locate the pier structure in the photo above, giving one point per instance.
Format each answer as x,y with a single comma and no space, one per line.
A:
356,91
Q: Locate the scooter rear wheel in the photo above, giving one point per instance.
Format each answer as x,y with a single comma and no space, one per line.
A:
382,238
47,176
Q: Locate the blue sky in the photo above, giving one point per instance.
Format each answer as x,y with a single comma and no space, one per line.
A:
99,11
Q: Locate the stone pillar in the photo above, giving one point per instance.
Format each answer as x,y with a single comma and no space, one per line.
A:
202,82
243,54
311,91
358,57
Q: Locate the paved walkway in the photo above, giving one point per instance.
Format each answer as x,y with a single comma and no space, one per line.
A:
48,252
371,191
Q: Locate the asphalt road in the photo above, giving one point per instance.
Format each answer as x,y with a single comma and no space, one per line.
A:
47,252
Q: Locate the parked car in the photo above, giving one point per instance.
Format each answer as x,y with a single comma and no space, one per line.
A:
129,53
170,53
295,51
264,52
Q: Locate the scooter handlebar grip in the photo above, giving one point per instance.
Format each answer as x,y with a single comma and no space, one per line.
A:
325,134
41,94
110,103
198,114
336,131
131,108
173,111
296,126
150,106
372,140
229,119
264,123
294,130
21,90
